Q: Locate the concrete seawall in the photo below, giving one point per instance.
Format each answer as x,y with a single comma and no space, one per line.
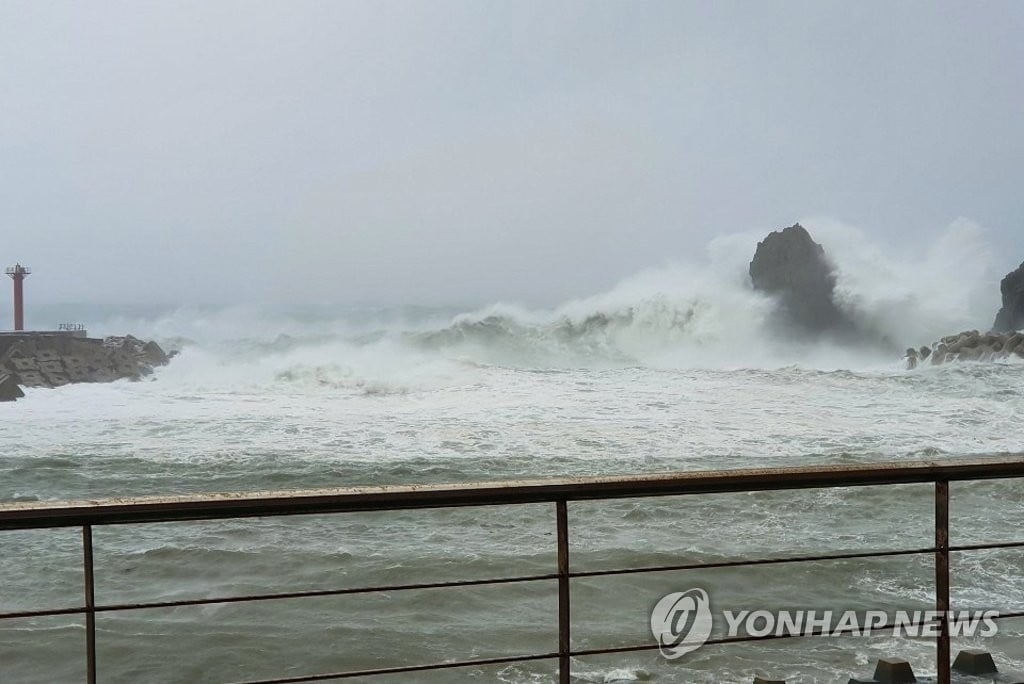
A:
53,359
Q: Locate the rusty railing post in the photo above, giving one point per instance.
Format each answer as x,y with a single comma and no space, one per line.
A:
564,619
942,576
90,605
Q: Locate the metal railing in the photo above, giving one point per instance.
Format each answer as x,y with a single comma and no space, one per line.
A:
89,514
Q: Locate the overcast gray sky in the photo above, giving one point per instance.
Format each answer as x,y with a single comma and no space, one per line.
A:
460,152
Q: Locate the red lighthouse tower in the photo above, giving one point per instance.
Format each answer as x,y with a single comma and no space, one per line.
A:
18,274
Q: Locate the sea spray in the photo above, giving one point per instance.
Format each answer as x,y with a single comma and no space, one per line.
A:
699,313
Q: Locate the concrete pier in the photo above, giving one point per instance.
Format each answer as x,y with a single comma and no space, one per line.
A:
56,358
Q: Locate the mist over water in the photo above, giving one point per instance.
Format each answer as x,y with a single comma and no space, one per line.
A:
685,315
674,368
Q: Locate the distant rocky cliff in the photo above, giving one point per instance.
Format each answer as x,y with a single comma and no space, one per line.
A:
53,359
794,269
1011,315
1003,342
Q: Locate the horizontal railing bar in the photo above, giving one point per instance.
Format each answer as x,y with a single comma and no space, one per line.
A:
452,584
320,593
984,547
43,613
742,563
1008,616
116,607
35,515
747,639
405,669
502,580
549,656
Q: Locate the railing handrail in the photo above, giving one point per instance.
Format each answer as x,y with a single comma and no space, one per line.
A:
86,514
44,514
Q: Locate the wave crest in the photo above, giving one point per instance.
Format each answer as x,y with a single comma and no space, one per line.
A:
678,316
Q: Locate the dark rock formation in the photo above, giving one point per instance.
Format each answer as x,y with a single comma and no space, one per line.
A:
791,266
1011,316
9,390
52,360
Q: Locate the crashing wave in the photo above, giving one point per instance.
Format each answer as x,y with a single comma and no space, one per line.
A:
679,316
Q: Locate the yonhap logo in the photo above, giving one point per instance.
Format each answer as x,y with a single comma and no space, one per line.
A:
681,622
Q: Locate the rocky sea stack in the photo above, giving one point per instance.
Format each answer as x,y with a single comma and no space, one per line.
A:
792,267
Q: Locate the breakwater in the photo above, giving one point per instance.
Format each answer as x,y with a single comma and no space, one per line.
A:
53,359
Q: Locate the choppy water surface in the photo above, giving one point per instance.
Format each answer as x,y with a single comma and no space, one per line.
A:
669,371
308,416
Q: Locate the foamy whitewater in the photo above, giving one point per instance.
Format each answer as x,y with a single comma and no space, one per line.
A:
671,370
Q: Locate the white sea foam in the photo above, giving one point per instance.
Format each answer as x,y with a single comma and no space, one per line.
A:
701,313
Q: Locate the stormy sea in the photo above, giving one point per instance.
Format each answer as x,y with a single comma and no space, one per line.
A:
673,369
